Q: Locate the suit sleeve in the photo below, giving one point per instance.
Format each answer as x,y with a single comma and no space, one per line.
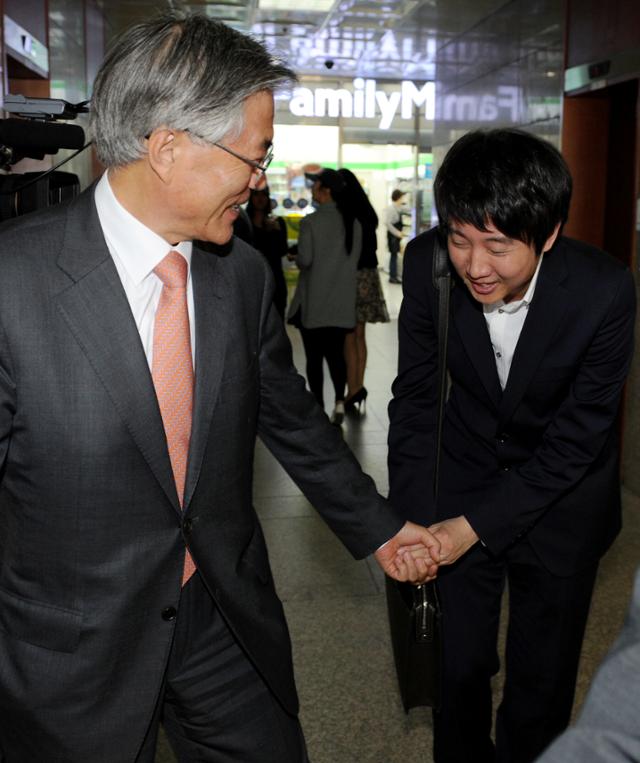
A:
413,409
300,436
575,437
607,730
304,258
7,398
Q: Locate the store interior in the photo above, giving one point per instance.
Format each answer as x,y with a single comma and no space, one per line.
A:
380,168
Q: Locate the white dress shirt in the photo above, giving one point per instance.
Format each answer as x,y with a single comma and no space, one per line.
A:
505,322
136,250
393,218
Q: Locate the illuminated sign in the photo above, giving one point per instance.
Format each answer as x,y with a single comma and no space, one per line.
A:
504,106
364,100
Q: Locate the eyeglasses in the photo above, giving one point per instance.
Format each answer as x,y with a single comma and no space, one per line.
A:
258,167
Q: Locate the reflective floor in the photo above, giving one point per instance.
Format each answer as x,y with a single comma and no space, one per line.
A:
335,606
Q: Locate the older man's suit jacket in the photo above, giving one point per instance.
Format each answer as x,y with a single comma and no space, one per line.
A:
608,730
539,459
92,539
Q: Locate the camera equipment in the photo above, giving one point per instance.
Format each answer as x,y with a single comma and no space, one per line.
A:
32,134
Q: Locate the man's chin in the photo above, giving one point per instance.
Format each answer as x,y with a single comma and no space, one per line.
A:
221,246
218,237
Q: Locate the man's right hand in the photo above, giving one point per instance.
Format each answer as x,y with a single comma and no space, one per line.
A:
412,555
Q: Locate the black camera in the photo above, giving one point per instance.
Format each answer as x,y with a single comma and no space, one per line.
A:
32,134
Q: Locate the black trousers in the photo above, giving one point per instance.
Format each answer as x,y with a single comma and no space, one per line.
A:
393,244
547,619
326,342
215,707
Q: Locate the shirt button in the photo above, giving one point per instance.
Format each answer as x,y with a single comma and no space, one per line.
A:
169,614
500,310
187,526
498,354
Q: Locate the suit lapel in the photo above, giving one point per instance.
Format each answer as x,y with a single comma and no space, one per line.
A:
472,328
545,316
212,314
96,309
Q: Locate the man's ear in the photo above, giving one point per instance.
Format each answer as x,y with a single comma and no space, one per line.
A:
552,239
161,152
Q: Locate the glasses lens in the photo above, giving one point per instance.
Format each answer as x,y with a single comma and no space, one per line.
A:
267,160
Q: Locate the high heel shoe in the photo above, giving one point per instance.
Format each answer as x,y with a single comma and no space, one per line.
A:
358,399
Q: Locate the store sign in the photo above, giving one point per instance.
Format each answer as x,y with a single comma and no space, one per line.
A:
366,101
504,106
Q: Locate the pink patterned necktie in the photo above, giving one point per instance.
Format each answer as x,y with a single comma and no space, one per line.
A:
172,371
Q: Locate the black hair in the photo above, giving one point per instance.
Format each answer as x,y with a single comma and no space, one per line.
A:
354,196
335,183
268,212
506,177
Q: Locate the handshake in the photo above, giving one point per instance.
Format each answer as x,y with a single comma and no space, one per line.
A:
415,553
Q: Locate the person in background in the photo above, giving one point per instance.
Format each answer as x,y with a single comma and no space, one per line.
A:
136,370
329,246
370,304
242,227
540,342
607,730
269,238
393,221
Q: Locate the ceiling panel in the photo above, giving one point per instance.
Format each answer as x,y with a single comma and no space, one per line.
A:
396,39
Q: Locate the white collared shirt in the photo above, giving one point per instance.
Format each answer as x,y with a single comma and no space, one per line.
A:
505,322
136,250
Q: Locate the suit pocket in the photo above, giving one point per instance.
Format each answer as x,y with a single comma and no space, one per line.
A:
39,624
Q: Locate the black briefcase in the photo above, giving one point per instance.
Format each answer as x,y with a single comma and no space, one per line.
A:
415,619
416,637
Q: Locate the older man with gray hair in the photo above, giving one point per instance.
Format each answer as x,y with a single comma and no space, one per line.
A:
136,370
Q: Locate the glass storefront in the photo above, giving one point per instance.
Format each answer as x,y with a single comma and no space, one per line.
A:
380,131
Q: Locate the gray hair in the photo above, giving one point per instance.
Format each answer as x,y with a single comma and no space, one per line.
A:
182,71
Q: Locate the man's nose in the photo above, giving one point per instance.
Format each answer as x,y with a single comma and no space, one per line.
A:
478,265
258,181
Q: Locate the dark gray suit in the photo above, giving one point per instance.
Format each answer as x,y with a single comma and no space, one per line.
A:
92,538
608,730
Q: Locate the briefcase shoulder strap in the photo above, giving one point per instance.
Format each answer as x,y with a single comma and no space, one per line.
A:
441,274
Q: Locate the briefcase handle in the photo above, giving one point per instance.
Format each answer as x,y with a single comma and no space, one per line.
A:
426,607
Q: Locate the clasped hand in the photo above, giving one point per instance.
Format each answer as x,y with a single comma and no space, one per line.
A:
416,552
456,537
412,555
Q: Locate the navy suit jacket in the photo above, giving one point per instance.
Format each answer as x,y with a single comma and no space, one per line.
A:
539,459
92,538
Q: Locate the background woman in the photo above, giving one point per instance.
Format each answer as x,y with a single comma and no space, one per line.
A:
370,304
270,238
329,248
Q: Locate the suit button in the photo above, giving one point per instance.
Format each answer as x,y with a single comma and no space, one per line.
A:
169,613
506,468
502,438
187,526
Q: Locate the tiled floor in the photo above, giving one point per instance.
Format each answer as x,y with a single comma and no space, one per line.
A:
336,608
